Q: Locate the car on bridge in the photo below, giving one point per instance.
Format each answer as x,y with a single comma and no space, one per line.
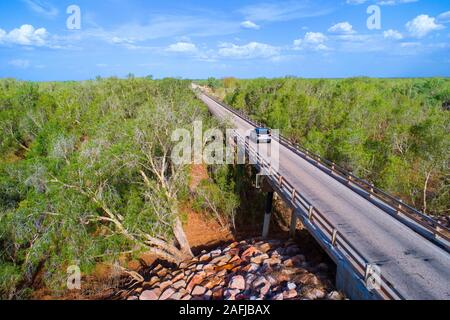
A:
261,135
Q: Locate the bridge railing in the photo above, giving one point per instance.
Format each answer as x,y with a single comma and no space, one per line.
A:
335,238
372,192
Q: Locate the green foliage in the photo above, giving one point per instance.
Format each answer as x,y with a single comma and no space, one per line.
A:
218,195
71,153
393,132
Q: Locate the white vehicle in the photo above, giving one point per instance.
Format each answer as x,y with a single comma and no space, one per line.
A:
261,135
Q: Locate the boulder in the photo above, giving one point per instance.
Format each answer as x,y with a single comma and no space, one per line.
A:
237,282
195,280
149,295
312,293
198,291
259,259
167,294
290,294
179,284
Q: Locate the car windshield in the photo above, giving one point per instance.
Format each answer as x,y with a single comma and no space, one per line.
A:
262,131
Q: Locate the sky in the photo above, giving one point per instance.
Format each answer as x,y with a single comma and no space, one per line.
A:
44,40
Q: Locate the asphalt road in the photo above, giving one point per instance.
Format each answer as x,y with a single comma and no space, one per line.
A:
417,268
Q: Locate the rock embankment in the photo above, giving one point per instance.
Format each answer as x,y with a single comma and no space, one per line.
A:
246,270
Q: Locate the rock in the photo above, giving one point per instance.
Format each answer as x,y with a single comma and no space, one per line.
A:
165,284
265,247
178,276
230,294
133,298
251,267
308,279
162,273
235,260
313,293
176,296
208,295
220,260
151,283
335,295
221,273
199,267
209,267
289,294
259,259
187,297
249,278
291,286
195,280
216,253
149,295
250,252
198,291
262,285
213,282
264,290
179,284
217,293
272,280
237,282
205,257
234,252
138,290
167,294
278,296
272,261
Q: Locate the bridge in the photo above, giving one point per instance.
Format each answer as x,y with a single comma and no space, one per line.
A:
383,248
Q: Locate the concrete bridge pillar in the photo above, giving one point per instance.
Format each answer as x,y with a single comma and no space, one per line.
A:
267,214
293,224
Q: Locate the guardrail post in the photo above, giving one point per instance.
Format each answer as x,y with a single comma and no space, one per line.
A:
310,213
267,214
333,238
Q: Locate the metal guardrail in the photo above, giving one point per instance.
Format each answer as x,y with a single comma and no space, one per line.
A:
335,238
335,170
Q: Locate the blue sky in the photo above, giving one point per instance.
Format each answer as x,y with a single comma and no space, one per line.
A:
198,39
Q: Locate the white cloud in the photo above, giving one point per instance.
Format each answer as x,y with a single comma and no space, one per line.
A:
282,11
312,41
249,25
251,50
422,25
342,28
42,7
26,35
394,2
392,34
382,2
444,17
19,63
356,1
182,47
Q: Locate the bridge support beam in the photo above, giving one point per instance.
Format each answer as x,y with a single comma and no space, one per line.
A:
267,214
